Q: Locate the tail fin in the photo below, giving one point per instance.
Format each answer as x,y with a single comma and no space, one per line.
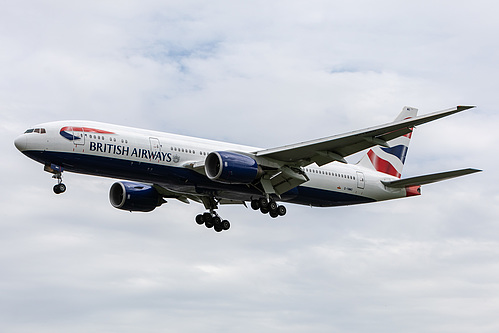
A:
390,160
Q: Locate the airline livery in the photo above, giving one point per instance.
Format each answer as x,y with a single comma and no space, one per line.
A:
154,166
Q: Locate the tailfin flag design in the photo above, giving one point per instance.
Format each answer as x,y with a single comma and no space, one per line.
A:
390,160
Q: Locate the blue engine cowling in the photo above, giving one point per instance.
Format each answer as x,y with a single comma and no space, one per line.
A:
231,168
134,197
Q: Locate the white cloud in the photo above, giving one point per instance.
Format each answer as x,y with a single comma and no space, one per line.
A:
263,74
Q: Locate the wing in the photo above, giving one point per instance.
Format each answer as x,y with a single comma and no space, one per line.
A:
428,179
336,148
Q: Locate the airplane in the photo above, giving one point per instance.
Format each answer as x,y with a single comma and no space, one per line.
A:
153,166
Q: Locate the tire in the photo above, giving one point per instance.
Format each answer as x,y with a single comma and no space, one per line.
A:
199,219
264,203
264,210
56,189
281,210
274,214
225,225
208,224
62,188
255,205
207,218
272,206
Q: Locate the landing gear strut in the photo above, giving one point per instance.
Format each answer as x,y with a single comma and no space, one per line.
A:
211,219
268,206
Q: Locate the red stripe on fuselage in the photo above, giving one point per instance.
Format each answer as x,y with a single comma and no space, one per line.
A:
85,129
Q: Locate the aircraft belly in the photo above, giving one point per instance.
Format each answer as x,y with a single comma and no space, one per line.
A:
186,181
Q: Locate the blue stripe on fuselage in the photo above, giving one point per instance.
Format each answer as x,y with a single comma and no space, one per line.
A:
184,180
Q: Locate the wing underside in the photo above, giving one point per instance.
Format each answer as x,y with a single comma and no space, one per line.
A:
336,148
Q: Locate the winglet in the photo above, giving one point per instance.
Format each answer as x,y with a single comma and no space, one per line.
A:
465,107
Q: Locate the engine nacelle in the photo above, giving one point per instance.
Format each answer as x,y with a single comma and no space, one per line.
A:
134,197
231,168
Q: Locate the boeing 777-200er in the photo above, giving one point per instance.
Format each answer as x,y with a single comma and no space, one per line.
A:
155,165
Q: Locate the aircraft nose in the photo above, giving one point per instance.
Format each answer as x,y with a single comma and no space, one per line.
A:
20,142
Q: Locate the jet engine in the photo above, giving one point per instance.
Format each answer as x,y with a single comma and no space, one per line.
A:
231,168
134,197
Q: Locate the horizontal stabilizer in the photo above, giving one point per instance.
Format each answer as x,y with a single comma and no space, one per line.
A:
428,179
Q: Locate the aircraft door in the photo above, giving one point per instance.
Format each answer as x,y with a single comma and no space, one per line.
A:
78,136
155,147
361,182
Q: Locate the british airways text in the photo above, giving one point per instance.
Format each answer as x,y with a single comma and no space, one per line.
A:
125,151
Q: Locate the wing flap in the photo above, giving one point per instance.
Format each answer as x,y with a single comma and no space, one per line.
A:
428,179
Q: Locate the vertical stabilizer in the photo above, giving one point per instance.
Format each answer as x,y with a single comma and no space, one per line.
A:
390,160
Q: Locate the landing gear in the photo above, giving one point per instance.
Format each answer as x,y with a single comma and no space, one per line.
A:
212,220
59,187
268,206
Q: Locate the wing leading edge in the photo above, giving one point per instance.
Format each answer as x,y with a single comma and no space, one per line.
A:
428,179
336,148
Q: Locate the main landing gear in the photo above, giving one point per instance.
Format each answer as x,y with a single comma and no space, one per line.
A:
268,206
212,220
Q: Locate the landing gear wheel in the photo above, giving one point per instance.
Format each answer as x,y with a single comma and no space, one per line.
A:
264,203
264,210
199,219
59,188
281,210
274,214
218,227
225,225
207,218
255,204
208,224
272,206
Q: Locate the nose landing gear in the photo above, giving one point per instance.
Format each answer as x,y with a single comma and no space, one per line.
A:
57,171
59,187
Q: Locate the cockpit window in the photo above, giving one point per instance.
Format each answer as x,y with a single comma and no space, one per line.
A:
36,130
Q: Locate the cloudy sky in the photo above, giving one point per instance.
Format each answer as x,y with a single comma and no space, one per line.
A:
262,73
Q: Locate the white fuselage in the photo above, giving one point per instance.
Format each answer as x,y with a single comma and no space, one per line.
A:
167,159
